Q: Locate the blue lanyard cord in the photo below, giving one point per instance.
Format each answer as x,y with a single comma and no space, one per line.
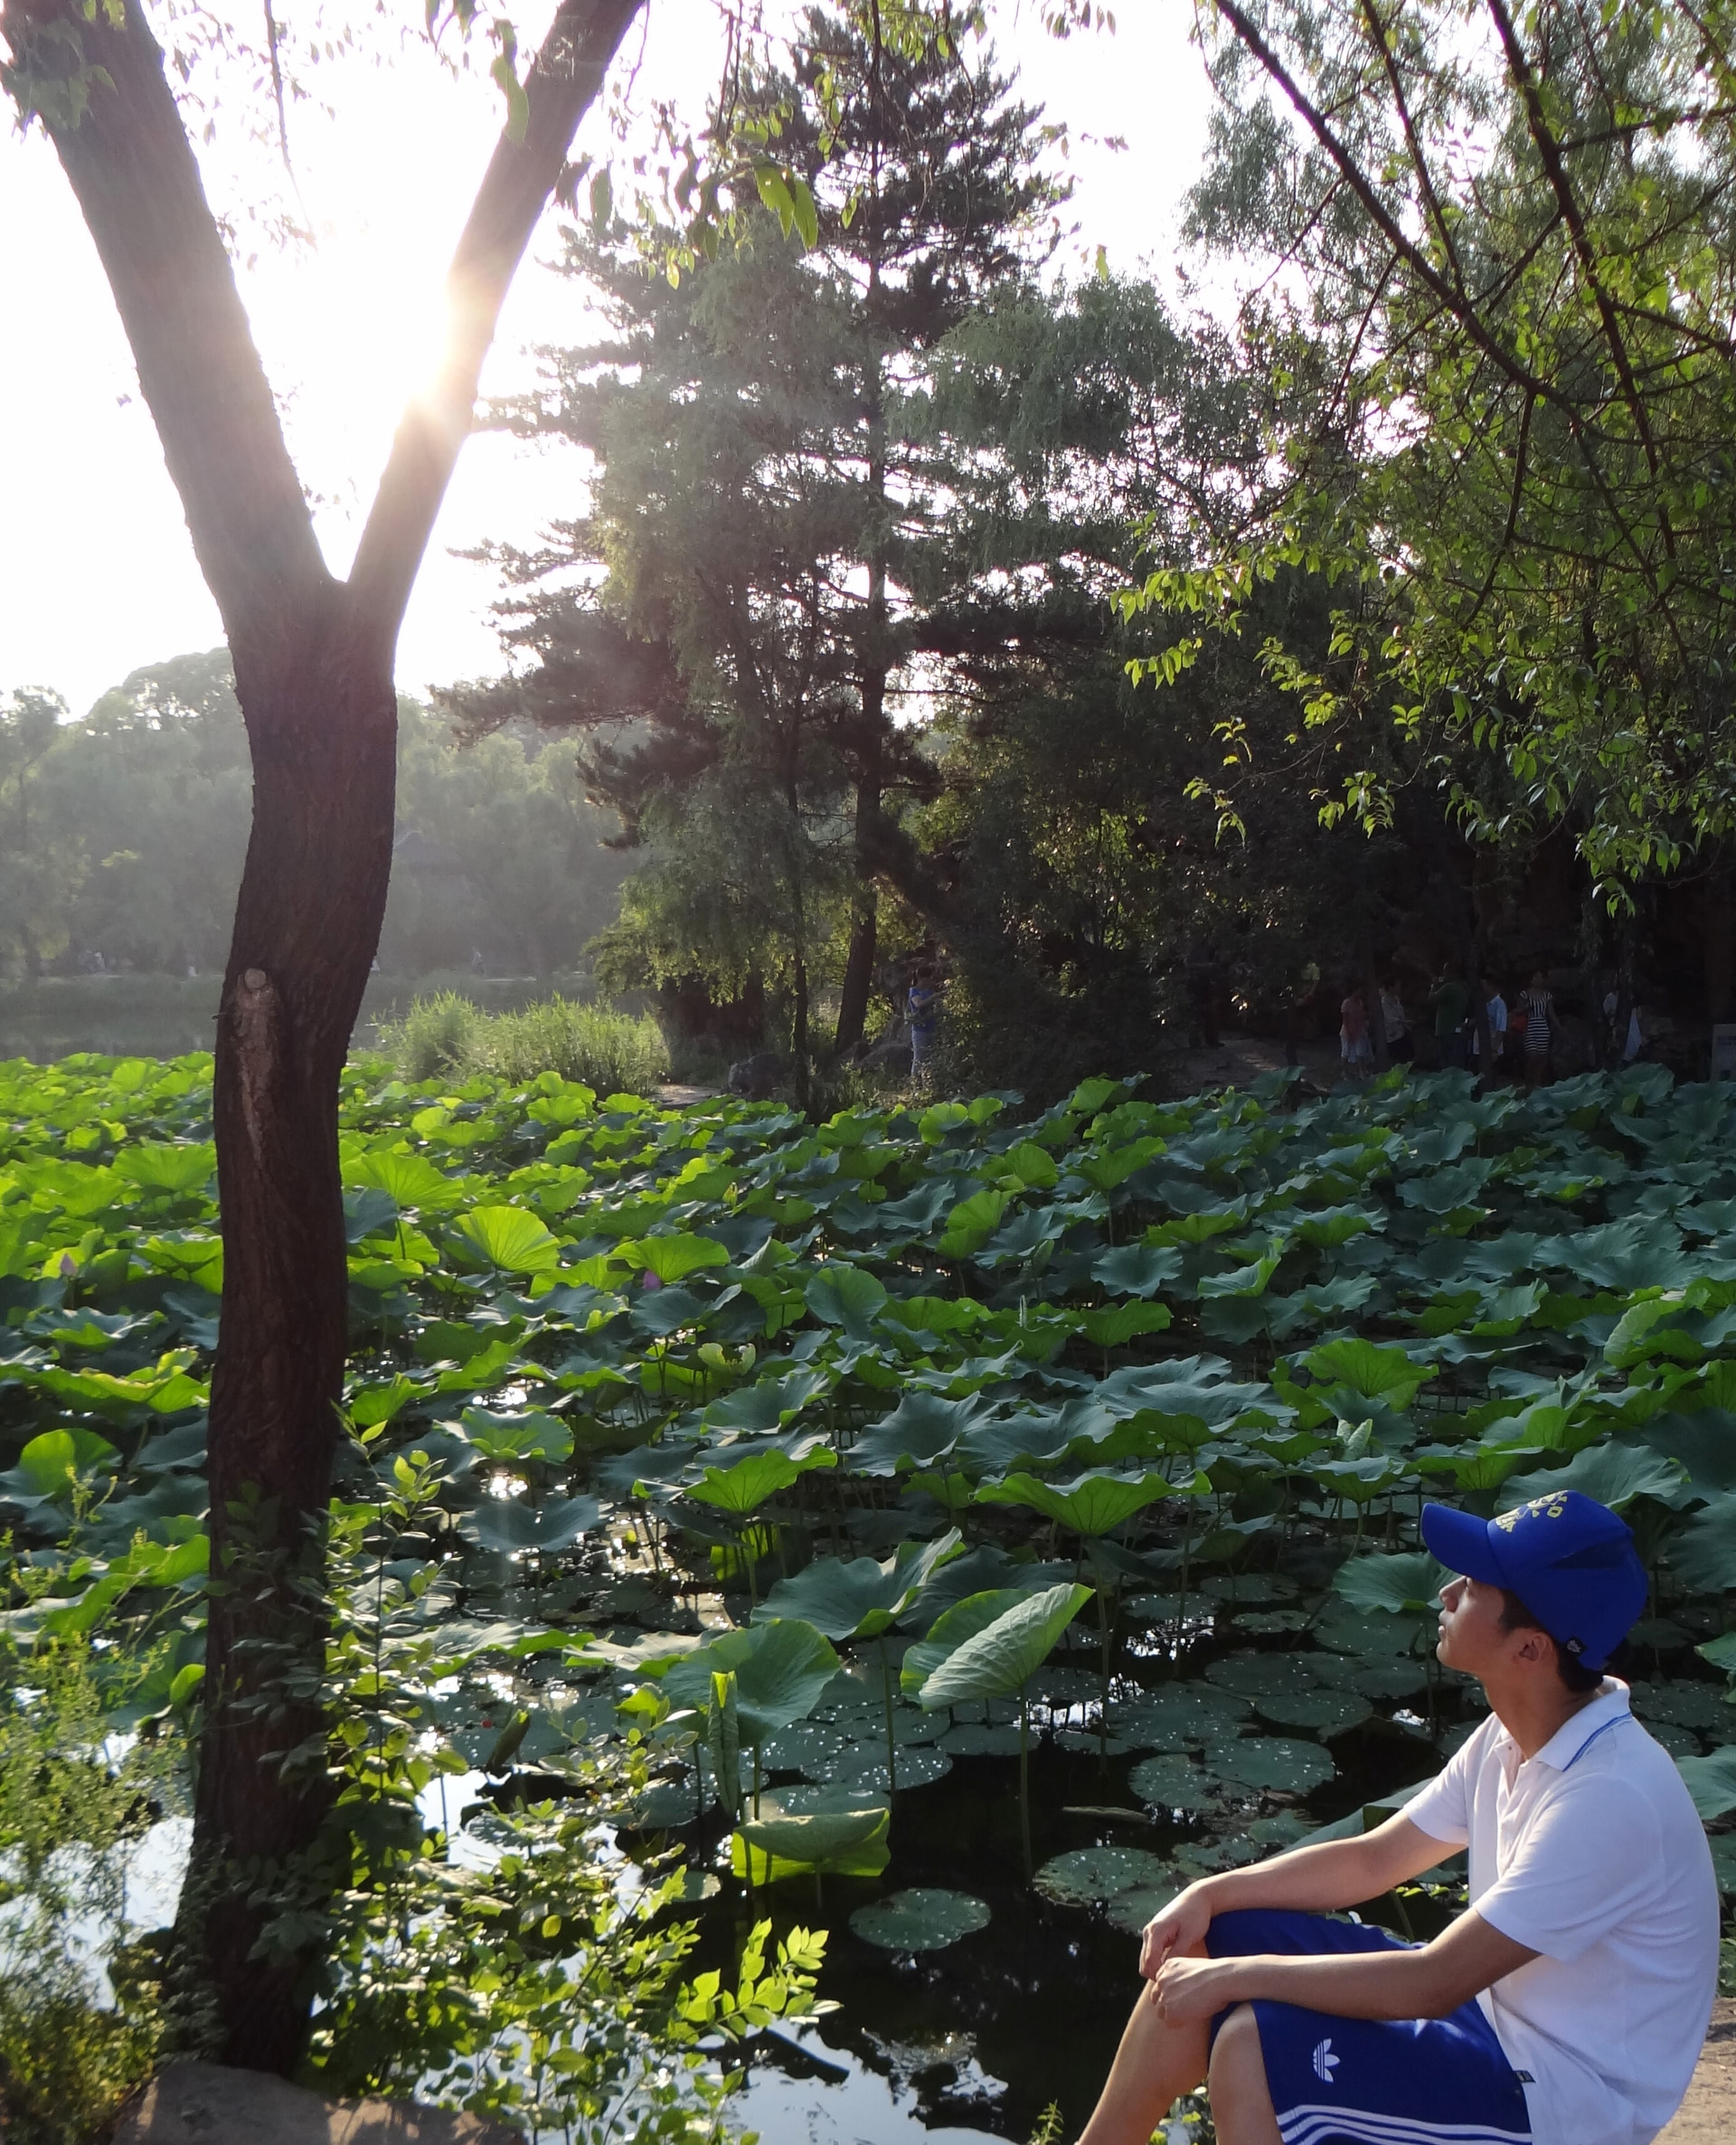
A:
1615,1721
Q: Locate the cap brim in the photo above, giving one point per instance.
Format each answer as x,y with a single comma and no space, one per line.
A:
1460,1541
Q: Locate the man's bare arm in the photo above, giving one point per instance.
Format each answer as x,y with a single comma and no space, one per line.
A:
1427,1983
1338,1873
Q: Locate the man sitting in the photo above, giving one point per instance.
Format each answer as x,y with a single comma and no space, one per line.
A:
1568,2005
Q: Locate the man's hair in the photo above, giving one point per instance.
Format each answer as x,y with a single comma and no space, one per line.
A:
1575,1675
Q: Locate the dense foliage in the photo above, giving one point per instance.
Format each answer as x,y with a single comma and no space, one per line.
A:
924,1387
124,833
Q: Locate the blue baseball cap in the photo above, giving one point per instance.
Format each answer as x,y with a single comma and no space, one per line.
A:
1570,1559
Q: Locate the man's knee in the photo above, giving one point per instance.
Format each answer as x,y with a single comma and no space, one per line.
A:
1237,2045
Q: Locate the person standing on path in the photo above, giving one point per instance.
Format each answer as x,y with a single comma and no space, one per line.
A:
1568,2004
1539,1031
1496,1008
922,1006
1399,1048
1354,1044
1449,1002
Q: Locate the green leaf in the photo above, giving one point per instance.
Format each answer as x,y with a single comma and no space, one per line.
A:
971,1223
1176,1783
807,222
55,1461
1407,1584
510,1238
1272,1761
673,1258
1089,1875
532,1436
411,1181
780,1670
844,1296
1001,1656
1138,1269
1113,1325
1704,1552
1615,1474
1711,1782
747,1485
1092,1504
775,194
861,1598
923,1919
511,1525
158,1166
1377,1373
839,1843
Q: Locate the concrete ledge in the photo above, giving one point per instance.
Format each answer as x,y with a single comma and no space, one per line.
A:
1708,2115
200,2103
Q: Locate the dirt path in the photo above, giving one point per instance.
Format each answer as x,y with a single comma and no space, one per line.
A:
1708,2115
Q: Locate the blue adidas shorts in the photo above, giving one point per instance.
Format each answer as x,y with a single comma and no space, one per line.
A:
1372,2081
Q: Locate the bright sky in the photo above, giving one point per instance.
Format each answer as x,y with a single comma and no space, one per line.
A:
97,573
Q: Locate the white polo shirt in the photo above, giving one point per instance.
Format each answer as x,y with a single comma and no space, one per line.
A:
1592,1854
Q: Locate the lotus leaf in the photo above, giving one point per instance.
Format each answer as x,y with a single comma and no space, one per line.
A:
1272,1761
846,1296
1615,1474
512,1527
1130,1911
843,1843
1176,1783
532,1436
920,1431
999,1658
745,1487
917,1768
1326,1712
860,1598
1686,1704
922,1919
1407,1584
1138,1269
1091,1504
780,1670
509,1238
1711,1782
1089,1875
1184,1718
979,1739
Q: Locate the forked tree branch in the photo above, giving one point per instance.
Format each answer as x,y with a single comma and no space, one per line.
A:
521,178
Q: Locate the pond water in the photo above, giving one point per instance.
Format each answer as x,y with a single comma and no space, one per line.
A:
976,2040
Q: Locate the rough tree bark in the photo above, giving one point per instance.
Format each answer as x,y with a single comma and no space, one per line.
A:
313,659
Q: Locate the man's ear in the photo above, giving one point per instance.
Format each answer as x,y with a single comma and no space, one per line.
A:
1530,1644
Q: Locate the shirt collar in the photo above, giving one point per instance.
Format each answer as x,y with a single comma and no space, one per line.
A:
1571,1737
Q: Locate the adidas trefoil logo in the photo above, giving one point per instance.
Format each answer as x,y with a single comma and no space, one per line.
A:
1325,2063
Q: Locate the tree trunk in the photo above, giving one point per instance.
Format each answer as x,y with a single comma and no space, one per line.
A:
311,896
864,931
1719,943
312,663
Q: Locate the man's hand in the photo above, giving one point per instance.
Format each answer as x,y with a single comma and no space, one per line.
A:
1190,1988
1179,1931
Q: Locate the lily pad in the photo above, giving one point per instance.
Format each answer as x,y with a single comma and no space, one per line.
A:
923,1919
1090,1874
1264,1674
917,1768
1182,1718
1175,1782
1272,1761
1130,1911
977,1739
1686,1705
1325,1713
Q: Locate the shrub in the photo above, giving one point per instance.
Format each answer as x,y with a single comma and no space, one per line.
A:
72,1805
615,1053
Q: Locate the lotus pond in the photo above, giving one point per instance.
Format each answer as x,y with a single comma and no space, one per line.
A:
987,1521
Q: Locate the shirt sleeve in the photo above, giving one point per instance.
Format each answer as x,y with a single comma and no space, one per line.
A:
1564,1889
1443,1808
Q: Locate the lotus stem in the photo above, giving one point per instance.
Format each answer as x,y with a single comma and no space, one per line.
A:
1024,1782
891,1744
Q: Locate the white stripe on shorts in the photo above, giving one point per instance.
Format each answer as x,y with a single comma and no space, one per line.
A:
1312,2121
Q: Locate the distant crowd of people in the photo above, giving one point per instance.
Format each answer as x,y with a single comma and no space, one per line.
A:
1523,1035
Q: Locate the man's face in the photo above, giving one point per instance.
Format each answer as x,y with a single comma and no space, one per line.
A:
1471,1635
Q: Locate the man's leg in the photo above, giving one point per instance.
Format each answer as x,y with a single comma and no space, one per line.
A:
1241,2101
1155,2065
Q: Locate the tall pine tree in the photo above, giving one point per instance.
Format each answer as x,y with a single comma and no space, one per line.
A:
756,568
